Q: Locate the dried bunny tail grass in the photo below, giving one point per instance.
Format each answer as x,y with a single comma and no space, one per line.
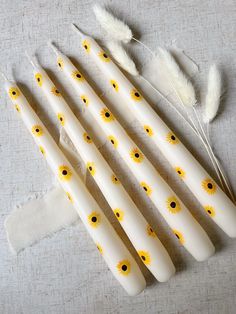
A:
182,86
212,100
121,57
116,28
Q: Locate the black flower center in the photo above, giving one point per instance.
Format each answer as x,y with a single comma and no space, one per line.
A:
179,172
64,172
209,211
145,189
177,235
114,85
147,130
107,114
90,168
105,55
84,100
136,155
210,186
118,214
85,46
143,258
37,130
112,141
173,204
61,119
115,179
59,64
13,93
94,219
173,137
124,267
136,94
88,138
78,75
57,91
38,79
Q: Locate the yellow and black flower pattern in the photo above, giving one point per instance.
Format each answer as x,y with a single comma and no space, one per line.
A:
209,186
14,93
103,56
106,115
61,118
124,267
94,219
91,168
145,257
136,155
113,141
64,173
39,79
119,214
37,130
77,76
173,205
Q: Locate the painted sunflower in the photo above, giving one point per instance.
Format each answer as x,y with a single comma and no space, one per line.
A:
86,45
113,140
119,214
61,118
115,180
64,173
77,76
60,62
14,92
37,130
136,155
85,100
179,236
135,95
55,91
124,267
173,205
39,79
94,219
103,56
42,150
180,172
148,130
146,188
172,139
150,231
87,138
100,249
17,107
209,186
91,168
69,197
106,115
210,210
115,85
145,257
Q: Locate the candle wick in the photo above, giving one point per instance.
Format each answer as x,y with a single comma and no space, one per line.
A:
30,59
75,27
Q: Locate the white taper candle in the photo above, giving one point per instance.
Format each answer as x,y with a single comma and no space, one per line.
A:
215,202
118,258
141,234
184,226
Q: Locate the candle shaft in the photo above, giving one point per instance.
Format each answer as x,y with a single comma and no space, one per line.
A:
184,226
113,250
141,234
215,202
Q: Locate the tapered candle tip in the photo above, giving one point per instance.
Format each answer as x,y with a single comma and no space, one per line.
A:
4,76
54,48
31,59
75,27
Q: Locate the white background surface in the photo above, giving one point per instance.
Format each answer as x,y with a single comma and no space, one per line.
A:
64,273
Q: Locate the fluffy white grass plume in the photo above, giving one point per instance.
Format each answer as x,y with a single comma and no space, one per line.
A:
121,57
212,100
116,28
183,87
